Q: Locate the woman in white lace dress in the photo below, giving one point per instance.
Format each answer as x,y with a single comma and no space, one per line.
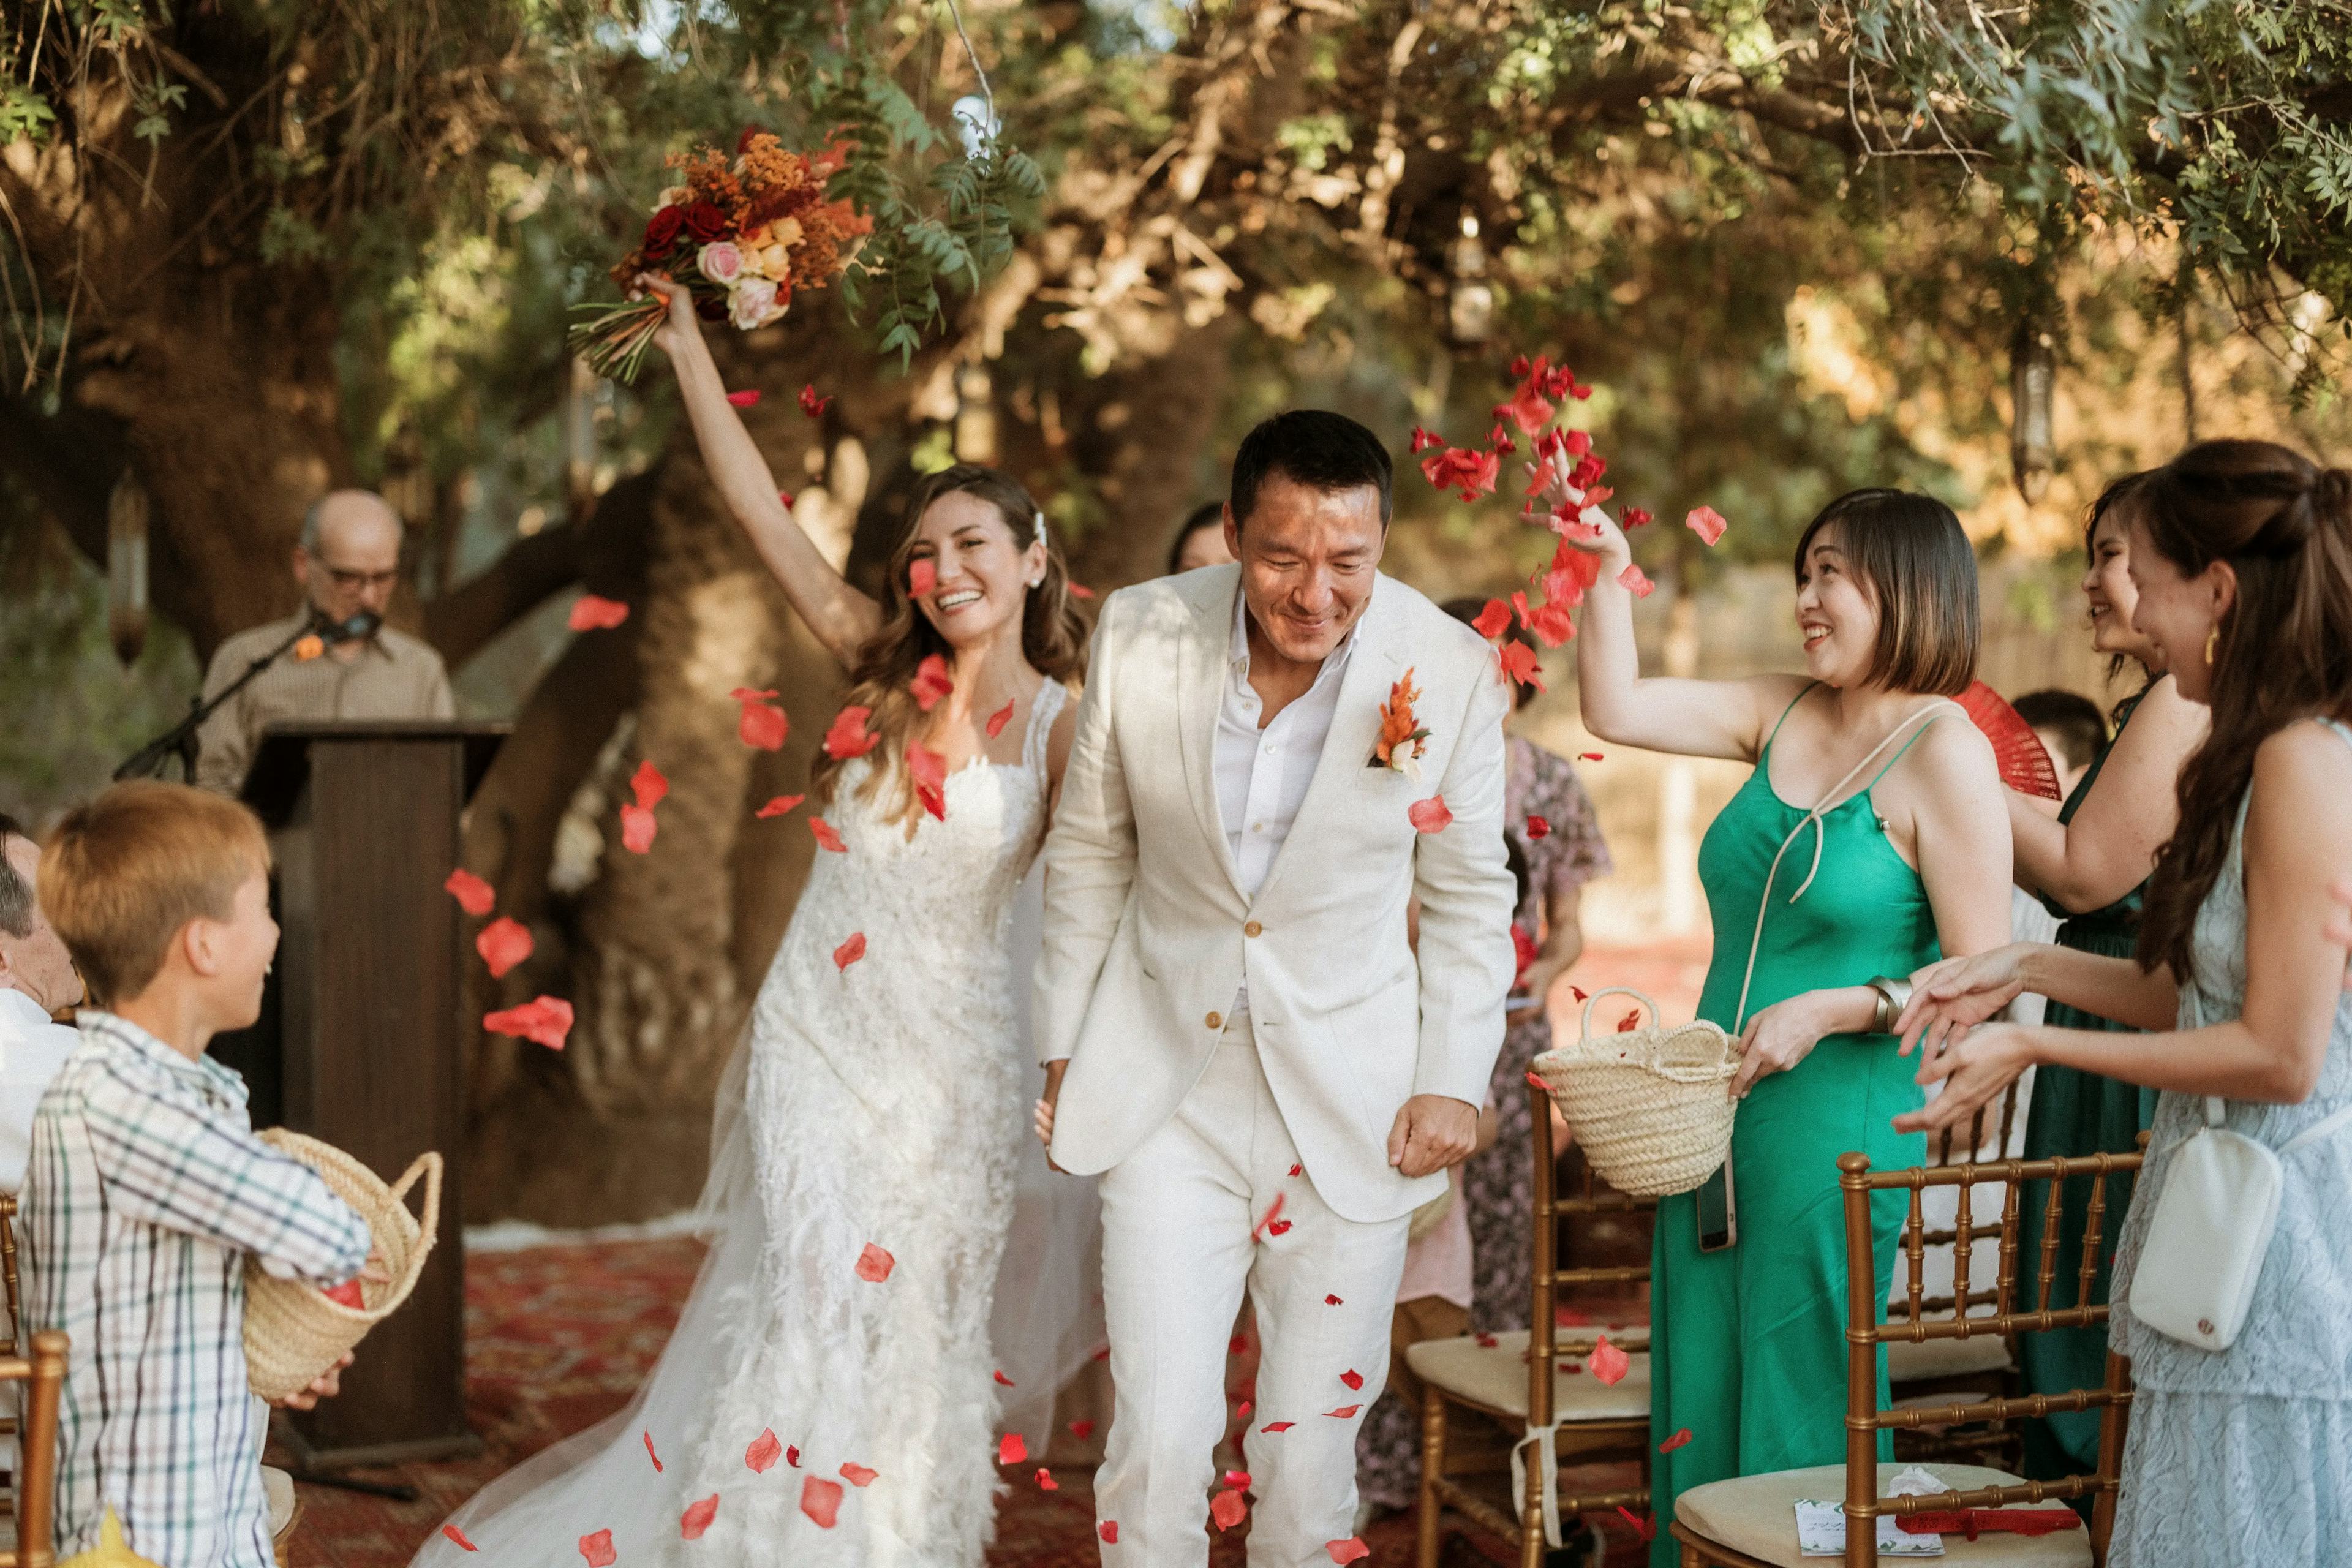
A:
2243,562
831,1383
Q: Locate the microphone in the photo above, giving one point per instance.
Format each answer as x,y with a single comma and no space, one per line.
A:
357,629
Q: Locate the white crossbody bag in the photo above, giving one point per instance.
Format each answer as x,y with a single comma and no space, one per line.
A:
2212,1226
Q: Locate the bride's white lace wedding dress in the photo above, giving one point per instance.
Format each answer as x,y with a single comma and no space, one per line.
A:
885,1114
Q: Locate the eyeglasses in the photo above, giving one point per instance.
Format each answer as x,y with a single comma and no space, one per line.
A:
358,582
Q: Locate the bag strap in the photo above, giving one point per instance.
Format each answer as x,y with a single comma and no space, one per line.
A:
1813,819
2333,1122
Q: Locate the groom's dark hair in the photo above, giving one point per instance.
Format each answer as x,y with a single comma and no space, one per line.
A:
1315,447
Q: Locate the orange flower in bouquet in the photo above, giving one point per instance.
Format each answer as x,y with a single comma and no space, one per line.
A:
743,234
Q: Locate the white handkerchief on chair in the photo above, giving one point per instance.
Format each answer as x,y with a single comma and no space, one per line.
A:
1821,1532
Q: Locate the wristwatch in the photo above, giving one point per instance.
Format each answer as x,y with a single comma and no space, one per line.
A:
1894,996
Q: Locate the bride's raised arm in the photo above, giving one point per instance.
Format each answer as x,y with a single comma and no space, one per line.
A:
842,618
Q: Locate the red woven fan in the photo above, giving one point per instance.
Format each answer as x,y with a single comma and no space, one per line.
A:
2025,767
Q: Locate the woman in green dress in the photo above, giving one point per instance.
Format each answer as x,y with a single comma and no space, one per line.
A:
2089,867
1899,850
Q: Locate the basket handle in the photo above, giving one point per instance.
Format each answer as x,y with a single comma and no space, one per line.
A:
428,1220
1594,1000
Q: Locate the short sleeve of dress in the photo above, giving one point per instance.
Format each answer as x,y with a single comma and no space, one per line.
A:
1572,853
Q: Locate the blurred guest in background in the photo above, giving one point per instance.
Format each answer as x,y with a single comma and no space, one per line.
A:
348,563
37,983
1201,539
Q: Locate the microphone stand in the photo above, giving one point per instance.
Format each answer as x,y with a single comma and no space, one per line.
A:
148,762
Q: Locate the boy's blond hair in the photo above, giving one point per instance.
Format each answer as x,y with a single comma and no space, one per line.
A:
125,873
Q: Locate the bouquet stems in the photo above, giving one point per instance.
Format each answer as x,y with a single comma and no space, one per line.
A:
613,339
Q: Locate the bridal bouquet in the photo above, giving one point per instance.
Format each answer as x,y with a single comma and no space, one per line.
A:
740,233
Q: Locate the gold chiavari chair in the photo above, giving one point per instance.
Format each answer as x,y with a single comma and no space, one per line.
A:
1750,1522
1520,1387
1925,1372
32,1501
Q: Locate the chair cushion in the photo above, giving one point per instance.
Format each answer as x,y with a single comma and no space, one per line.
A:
1929,1361
1495,1376
278,1491
1758,1515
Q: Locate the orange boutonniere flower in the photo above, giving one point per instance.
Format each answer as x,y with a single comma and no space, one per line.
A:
1402,739
309,648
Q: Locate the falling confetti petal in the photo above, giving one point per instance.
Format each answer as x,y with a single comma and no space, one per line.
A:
762,725
931,681
1537,827
1430,816
849,737
1003,1381
1228,1509
1082,1430
1345,1552
1011,1450
922,576
1276,1426
1646,1525
761,1456
1297,1166
811,403
1494,620
779,805
1345,1412
821,1501
1635,582
503,943
1108,1530
744,399
1243,1414
1265,1224
874,1264
1706,523
1539,1083
1610,1364
792,1457
1630,1022
857,1475
592,613
1680,1438
1352,1378
849,952
473,895
347,1294
1587,756
544,1019
1279,1227
929,770
1333,1301
648,786
1635,516
698,1517
1238,1480
637,829
1045,1481
651,1455
998,719
458,1535
1080,591
598,1550
827,836
1519,663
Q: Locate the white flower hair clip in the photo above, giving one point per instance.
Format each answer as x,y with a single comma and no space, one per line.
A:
1040,535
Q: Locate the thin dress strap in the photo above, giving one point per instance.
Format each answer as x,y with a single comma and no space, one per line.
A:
1933,714
1783,719
1044,709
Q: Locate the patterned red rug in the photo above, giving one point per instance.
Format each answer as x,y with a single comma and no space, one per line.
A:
559,1337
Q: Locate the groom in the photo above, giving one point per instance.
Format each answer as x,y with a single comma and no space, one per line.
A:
1267,1073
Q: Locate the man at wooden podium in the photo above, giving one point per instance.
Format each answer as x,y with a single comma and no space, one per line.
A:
348,563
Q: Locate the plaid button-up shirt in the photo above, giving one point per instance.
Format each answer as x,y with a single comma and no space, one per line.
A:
146,1189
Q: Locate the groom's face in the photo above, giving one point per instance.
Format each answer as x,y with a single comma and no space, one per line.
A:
1308,558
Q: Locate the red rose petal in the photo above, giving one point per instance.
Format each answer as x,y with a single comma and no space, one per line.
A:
1677,1441
1520,664
1610,1364
827,836
1045,1481
1630,1022
1011,1449
762,725
1080,591
637,829
1646,1525
1706,523
1243,1414
1578,992
1238,1480
747,399
1239,1344
1277,1227
1082,1429
1485,1342
648,786
593,613
1002,1380
1587,756
1635,581
779,805
929,771
1277,1426
765,1451
1344,1412
874,1264
598,1550
1345,1552
1537,827
1297,1166
1494,620
811,403
849,737
857,1475
792,1457
544,1019
1352,1378
931,681
1539,1083
1108,1530
458,1535
698,1517
347,1294
473,895
1635,516
786,497
821,1501
1228,1508
1267,1223
849,952
1333,1301
922,576
651,1455
503,943
998,719
1430,816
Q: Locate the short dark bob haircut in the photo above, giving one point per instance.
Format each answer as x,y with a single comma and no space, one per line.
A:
1913,560
1315,447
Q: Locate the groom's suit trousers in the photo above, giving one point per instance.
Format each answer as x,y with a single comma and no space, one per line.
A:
1189,1221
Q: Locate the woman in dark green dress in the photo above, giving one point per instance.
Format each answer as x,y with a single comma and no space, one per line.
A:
1870,833
2089,867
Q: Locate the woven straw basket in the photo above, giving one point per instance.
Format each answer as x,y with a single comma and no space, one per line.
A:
1647,1106
292,1332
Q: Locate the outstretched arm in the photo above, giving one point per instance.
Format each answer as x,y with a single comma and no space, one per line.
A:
842,618
2110,846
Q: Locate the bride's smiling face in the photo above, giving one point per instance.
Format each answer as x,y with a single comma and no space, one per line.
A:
985,572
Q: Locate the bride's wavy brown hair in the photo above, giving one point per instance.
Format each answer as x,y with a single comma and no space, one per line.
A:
2282,652
1053,636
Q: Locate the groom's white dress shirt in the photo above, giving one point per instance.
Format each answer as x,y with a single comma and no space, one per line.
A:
32,1049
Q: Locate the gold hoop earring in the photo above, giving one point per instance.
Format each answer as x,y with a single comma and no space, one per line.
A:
2212,644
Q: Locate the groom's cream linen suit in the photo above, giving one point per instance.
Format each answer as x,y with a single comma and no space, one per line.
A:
1203,1114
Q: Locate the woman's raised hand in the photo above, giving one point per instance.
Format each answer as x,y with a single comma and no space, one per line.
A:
683,324
1599,533
1952,997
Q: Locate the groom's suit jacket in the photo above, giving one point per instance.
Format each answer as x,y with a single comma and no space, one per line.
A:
1148,934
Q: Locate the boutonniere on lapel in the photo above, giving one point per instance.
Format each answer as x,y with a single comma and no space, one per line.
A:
1402,739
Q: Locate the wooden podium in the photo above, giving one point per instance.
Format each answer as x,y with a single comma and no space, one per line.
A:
362,1042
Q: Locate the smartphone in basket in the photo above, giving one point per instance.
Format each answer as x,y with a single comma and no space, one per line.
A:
1718,1214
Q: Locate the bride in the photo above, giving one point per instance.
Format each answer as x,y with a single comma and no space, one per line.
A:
831,1382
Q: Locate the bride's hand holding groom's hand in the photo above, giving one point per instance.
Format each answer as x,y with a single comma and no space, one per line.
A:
1042,1118
1432,1132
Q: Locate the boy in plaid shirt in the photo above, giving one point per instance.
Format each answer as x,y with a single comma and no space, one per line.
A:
147,1188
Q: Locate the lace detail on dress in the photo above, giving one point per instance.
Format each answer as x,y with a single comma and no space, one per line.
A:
885,1101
